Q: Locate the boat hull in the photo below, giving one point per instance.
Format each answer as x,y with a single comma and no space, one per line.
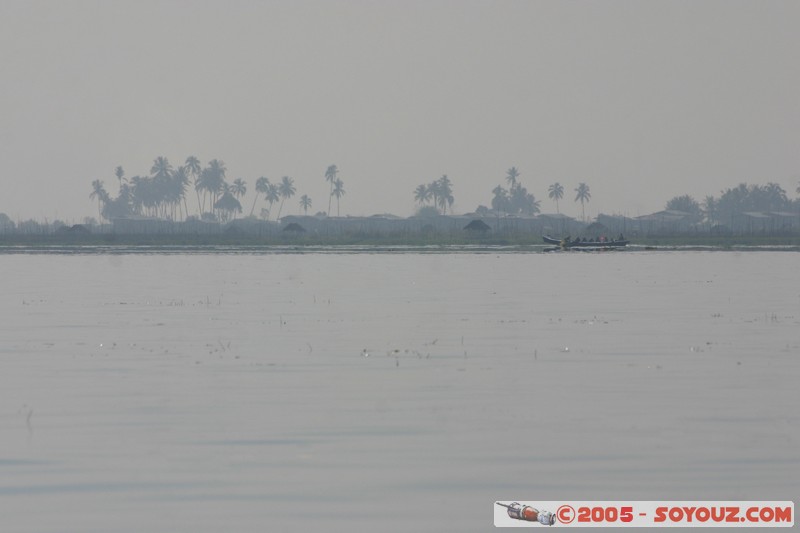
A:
585,244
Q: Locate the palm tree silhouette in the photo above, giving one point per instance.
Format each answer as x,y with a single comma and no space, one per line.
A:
193,169
338,192
272,195
216,168
212,181
511,176
180,180
99,192
521,201
330,175
120,174
161,168
262,186
583,195
556,192
305,203
161,175
434,192
238,188
445,193
286,190
500,200
422,194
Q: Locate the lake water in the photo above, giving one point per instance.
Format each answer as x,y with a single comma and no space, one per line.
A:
389,391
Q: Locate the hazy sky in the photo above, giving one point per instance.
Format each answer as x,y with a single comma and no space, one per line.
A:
642,100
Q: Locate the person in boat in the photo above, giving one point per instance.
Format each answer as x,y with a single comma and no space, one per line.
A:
621,237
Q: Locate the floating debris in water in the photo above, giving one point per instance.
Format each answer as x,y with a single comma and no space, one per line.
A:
364,353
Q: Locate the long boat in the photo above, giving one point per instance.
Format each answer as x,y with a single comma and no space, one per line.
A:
585,244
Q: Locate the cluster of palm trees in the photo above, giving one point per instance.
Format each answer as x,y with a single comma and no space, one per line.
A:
516,199
556,192
337,187
731,202
162,194
438,192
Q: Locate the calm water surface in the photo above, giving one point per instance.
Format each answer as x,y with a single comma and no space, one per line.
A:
389,392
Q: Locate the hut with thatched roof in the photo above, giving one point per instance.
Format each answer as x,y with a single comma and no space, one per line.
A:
477,227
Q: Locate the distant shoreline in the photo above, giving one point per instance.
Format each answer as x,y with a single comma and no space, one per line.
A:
115,243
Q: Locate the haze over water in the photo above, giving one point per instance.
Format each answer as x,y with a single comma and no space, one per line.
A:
400,392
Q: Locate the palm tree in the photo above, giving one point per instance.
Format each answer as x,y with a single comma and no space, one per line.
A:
272,195
161,175
262,186
212,181
521,201
556,192
239,187
120,174
305,203
217,169
775,197
511,176
161,168
583,195
330,175
445,193
193,169
422,194
217,166
286,190
434,191
99,192
500,200
338,192
180,181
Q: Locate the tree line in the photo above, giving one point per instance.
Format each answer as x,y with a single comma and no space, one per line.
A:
163,193
515,200
166,193
744,198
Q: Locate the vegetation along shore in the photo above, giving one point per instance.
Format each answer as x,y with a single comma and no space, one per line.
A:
198,205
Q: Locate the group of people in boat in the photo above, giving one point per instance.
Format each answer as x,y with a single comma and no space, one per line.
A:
601,239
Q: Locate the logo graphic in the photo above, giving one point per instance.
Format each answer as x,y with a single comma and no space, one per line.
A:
529,514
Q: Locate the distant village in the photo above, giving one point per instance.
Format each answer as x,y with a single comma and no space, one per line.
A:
669,222
159,204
